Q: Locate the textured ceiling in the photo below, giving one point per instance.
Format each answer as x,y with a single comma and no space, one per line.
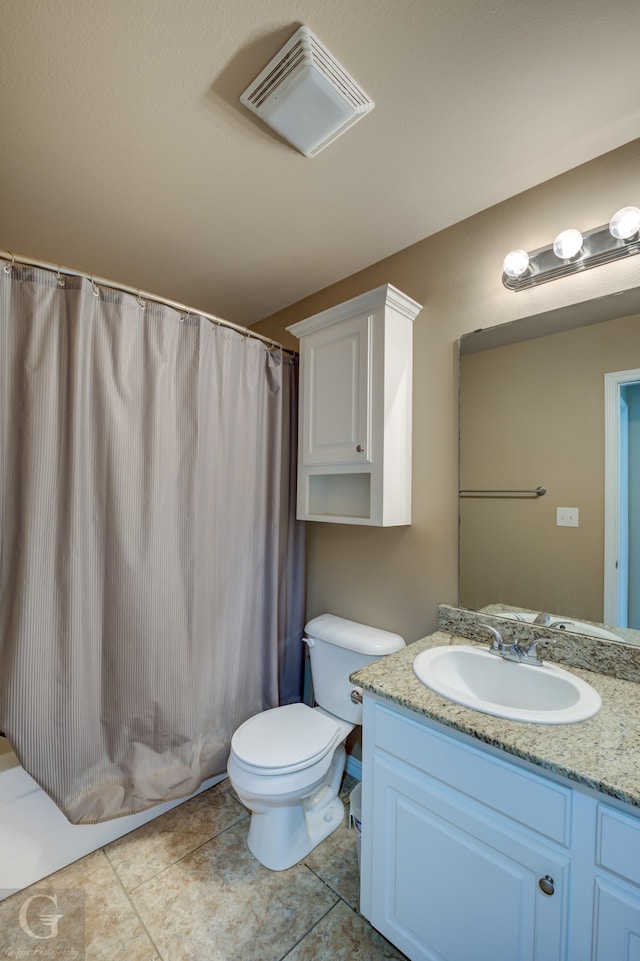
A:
126,152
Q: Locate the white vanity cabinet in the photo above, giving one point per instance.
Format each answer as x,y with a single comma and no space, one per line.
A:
354,450
447,874
616,907
468,855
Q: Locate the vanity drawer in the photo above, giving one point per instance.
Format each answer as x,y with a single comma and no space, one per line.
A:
534,802
618,843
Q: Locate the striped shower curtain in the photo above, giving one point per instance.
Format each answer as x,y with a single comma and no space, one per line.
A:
151,568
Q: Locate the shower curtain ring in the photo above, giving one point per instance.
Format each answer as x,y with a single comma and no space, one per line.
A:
96,289
9,267
183,317
141,303
59,278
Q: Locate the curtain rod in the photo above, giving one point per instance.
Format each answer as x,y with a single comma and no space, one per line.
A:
141,295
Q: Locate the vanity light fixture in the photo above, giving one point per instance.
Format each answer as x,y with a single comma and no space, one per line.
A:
573,251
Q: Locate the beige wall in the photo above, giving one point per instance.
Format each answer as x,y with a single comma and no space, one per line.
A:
395,578
532,414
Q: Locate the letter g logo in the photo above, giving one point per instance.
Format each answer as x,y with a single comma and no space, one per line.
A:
47,921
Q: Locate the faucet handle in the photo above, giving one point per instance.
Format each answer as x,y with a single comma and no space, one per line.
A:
530,651
543,619
498,643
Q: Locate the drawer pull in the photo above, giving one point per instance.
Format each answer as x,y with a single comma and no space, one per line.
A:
546,885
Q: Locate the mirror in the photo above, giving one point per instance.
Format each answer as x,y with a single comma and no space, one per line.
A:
532,415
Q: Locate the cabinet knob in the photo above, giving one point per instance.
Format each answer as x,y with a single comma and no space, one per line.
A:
547,885
360,449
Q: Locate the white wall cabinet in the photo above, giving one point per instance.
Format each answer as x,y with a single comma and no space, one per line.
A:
468,855
354,451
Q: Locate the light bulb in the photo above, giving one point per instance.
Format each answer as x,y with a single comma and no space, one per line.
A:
516,263
567,244
625,223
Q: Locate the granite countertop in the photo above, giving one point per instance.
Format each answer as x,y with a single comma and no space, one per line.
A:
602,753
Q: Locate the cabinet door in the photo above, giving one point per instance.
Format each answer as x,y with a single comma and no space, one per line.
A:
616,935
616,909
336,388
452,884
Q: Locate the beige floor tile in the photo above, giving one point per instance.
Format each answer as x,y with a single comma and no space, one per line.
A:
201,896
106,927
138,856
220,904
342,935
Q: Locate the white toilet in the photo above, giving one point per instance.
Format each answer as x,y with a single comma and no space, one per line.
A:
286,764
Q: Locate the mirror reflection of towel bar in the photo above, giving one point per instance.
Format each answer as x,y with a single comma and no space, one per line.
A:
534,492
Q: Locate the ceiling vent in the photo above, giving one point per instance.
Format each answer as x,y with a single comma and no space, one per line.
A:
306,96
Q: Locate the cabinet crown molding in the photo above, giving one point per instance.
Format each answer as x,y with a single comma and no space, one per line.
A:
385,296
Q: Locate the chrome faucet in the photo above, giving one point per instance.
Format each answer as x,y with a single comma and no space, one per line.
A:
512,651
499,646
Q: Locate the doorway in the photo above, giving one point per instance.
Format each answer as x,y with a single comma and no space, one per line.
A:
622,499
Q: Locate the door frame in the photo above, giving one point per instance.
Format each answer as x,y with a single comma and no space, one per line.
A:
614,508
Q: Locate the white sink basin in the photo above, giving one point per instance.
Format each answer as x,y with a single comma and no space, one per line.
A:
565,624
486,682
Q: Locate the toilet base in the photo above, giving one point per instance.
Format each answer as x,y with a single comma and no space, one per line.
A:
284,834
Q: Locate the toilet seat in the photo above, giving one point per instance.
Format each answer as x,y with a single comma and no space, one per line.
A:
285,739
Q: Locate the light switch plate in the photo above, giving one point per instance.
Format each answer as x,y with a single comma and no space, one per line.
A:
567,517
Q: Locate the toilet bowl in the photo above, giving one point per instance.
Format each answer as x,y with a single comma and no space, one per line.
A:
286,764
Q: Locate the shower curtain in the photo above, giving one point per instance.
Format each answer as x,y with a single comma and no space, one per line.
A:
151,567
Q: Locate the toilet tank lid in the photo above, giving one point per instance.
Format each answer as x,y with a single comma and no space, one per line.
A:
353,635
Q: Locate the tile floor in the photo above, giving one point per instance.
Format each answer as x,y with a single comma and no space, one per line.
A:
186,888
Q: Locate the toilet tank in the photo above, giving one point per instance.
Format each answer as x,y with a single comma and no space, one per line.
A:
337,648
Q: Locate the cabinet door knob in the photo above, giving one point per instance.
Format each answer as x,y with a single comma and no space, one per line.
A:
546,885
360,449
